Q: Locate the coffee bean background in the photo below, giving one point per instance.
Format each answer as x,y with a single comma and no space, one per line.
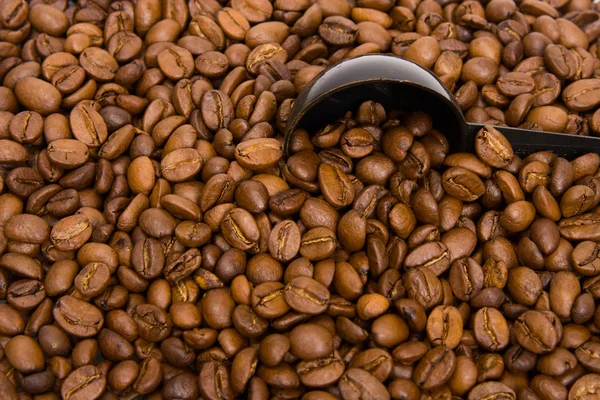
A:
155,242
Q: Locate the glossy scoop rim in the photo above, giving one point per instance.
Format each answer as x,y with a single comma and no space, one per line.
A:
364,70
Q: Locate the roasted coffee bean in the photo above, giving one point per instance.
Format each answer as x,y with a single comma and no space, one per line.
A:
77,317
320,372
98,63
486,389
25,228
515,83
435,368
26,127
257,154
306,295
491,329
240,229
337,30
536,332
85,382
181,164
37,95
71,232
284,240
23,181
356,381
217,110
444,326
433,255
175,62
336,186
581,95
88,126
310,341
318,243
462,184
423,286
68,153
492,148
212,64
25,354
584,258
153,323
93,279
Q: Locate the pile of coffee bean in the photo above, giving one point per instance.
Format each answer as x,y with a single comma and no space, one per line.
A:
532,63
527,63
474,275
155,242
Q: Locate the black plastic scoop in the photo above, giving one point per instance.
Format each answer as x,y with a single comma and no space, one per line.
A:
402,84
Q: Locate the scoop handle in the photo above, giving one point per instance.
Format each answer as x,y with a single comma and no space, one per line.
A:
525,142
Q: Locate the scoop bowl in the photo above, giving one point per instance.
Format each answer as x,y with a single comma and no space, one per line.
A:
401,84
